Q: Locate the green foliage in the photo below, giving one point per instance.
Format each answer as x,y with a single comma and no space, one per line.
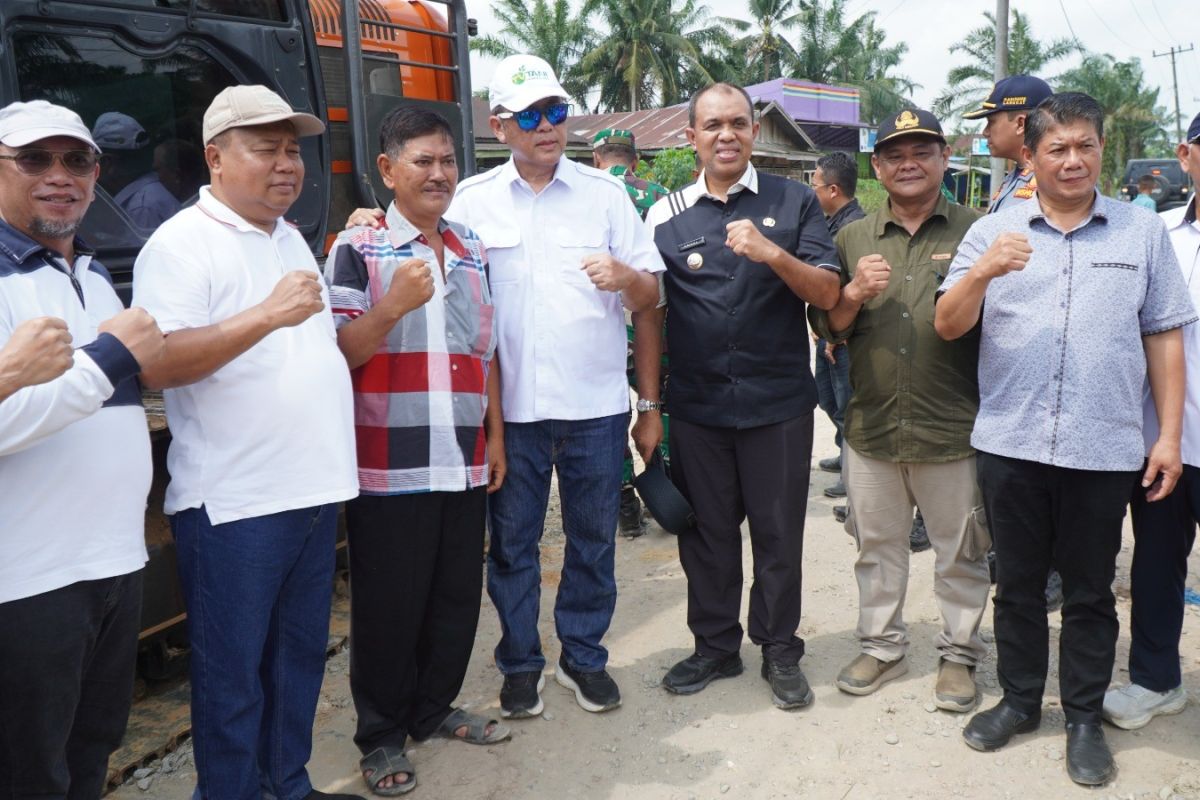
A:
870,194
969,85
674,169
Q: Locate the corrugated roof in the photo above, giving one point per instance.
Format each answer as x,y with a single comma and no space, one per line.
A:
653,128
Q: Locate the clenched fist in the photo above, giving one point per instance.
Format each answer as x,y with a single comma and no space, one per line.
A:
411,287
871,275
607,273
367,217
745,239
1010,252
294,299
38,351
138,331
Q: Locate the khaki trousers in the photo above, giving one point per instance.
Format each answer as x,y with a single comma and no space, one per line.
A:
881,497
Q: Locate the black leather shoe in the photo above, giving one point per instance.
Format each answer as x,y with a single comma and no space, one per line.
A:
990,730
918,537
789,687
1089,761
696,671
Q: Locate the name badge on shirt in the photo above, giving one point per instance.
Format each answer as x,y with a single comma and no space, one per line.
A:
941,256
692,244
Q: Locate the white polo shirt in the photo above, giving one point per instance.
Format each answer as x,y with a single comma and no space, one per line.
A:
272,430
561,341
1184,230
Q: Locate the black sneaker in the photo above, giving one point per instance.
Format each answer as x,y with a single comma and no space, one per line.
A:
594,691
833,464
521,695
1054,592
631,522
918,537
839,514
696,671
789,687
837,490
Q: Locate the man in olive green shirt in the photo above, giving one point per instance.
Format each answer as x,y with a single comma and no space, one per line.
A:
908,424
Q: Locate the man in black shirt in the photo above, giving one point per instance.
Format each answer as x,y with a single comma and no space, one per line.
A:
744,252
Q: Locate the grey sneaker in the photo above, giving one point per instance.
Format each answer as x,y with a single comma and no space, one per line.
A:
1132,707
867,673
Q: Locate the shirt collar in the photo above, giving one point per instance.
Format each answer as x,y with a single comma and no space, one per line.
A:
885,217
20,247
749,181
1099,212
845,210
565,171
214,208
401,231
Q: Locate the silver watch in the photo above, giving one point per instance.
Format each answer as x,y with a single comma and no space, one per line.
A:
648,405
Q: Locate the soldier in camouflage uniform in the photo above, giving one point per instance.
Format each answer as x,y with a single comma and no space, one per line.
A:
613,151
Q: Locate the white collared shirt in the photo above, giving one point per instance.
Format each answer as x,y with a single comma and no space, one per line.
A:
272,430
561,341
661,211
1184,230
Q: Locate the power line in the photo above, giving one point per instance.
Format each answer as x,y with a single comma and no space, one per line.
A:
1153,36
1174,51
1068,20
1161,21
1115,35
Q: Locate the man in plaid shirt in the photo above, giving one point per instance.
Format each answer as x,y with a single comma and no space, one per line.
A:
414,315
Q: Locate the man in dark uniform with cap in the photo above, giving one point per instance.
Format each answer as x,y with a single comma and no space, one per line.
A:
745,251
1006,110
613,151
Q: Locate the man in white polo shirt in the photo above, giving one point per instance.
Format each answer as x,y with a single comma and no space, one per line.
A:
259,404
566,249
74,468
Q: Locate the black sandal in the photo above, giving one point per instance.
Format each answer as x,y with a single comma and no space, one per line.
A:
383,762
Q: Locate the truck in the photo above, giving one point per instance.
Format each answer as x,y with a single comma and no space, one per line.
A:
160,63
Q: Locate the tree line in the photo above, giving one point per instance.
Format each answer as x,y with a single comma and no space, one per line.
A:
627,55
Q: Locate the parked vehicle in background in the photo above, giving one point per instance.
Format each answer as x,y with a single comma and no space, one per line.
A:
1172,186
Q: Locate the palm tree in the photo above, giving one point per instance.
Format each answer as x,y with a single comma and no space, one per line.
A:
648,50
766,52
1134,125
968,85
547,29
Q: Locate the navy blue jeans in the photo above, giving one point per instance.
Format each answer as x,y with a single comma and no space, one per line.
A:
833,385
258,592
587,456
1163,534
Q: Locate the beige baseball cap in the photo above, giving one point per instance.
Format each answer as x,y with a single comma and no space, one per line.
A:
520,81
243,106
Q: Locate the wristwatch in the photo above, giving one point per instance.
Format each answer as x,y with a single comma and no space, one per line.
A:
648,405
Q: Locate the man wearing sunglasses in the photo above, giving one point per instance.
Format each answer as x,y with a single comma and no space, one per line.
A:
74,468
566,251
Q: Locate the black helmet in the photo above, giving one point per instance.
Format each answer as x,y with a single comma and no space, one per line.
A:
665,502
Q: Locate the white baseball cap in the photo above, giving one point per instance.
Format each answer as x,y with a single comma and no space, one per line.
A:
243,106
520,81
25,123
116,131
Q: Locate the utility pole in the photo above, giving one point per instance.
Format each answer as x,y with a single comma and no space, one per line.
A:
1174,51
1001,71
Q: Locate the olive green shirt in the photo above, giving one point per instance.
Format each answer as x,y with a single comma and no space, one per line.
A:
914,396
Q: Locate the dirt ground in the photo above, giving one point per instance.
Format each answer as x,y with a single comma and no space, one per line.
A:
729,741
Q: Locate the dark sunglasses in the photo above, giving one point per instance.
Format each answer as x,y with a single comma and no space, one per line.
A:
34,161
530,118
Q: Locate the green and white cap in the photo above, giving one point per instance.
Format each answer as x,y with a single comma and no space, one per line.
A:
522,80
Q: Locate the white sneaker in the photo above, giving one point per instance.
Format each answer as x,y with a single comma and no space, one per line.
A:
1133,706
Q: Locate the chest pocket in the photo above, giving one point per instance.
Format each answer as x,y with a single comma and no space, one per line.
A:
573,243
503,244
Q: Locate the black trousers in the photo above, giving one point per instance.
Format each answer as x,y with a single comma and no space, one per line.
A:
1163,534
1043,516
729,475
416,579
66,683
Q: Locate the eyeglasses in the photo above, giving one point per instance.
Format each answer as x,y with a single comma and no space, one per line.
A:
530,118
816,186
81,163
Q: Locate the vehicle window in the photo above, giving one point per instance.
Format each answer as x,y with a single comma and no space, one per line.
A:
271,10
145,112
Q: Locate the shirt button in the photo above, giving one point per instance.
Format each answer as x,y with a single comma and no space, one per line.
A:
733,312
908,277
454,366
730,277
737,381
905,315
732,346
903,351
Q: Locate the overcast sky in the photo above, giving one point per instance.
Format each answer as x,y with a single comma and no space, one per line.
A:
1121,28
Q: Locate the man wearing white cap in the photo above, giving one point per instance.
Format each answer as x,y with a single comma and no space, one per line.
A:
74,468
566,250
128,173
258,400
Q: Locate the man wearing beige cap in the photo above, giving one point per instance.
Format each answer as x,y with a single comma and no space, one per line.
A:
74,468
566,250
258,400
